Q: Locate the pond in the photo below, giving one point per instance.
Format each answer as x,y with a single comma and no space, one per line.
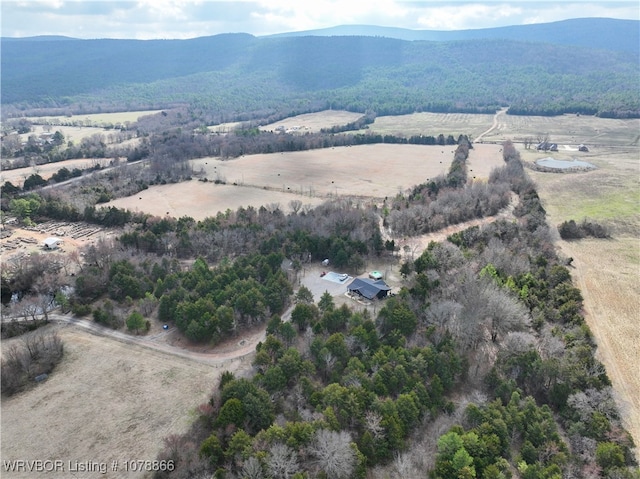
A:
564,164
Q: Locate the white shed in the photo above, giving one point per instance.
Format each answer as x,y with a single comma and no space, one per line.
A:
52,243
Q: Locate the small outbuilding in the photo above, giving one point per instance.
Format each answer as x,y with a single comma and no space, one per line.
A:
369,288
52,243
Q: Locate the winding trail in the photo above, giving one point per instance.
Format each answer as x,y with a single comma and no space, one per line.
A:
417,244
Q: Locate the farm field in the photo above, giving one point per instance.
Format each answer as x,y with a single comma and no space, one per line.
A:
367,171
74,134
606,271
95,119
201,200
431,124
568,130
18,175
314,122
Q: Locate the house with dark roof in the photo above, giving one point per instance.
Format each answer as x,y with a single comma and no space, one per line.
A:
369,288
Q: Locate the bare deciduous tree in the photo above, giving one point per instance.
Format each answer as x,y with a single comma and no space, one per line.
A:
295,206
282,461
252,469
373,424
333,453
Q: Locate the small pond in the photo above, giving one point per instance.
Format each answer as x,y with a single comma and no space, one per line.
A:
564,164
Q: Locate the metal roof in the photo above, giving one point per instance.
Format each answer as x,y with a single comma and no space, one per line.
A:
367,287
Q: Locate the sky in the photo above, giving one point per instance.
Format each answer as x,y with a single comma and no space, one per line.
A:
180,19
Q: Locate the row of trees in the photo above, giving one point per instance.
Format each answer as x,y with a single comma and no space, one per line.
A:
447,200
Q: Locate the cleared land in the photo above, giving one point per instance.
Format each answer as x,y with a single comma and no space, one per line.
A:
568,130
18,175
106,401
367,171
95,119
565,129
606,271
432,124
313,122
74,134
201,200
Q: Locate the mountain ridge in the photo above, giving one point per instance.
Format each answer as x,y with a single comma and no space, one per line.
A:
605,33
240,72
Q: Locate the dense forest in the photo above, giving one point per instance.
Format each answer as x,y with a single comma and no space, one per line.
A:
238,75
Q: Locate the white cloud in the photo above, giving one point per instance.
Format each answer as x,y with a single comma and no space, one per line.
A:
190,18
476,15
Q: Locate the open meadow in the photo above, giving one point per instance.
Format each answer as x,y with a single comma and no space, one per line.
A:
432,124
570,130
105,401
314,122
365,172
17,176
94,119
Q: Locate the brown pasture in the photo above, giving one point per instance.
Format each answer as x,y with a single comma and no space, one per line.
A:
96,118
18,175
313,122
106,401
367,171
606,271
570,130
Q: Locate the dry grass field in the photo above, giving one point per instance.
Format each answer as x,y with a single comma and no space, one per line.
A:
201,200
565,129
606,271
313,122
568,130
367,171
96,118
18,175
432,124
74,134
105,401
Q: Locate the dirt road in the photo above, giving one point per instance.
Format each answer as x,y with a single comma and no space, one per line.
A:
493,126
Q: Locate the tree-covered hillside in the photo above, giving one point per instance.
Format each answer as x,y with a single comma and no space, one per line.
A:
600,33
239,73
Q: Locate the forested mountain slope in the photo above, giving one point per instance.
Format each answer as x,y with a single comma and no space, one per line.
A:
236,73
602,33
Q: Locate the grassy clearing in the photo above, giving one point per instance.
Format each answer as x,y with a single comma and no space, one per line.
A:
432,124
314,122
96,118
105,401
569,129
610,194
606,271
